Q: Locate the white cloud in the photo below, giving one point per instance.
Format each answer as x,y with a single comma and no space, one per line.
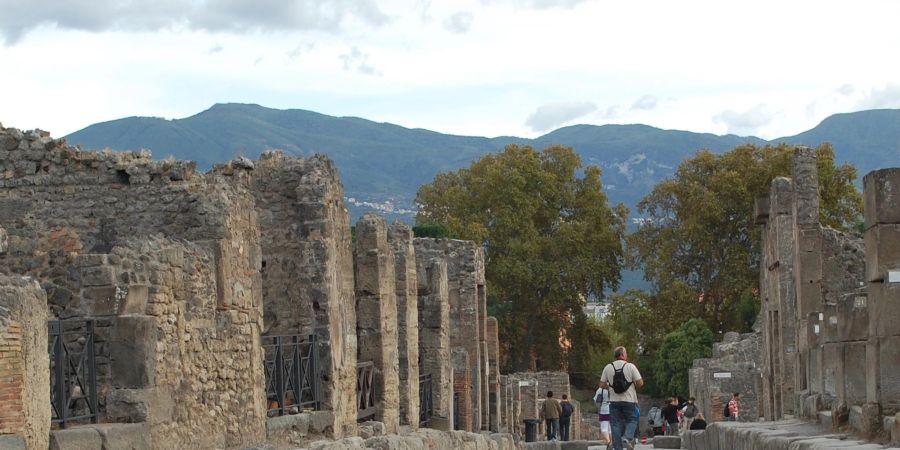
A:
646,102
19,17
459,22
747,122
552,115
884,97
845,89
358,61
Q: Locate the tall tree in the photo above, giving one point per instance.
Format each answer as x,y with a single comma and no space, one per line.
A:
692,340
551,240
698,230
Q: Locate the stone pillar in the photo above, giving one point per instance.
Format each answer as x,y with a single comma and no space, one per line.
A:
307,269
807,263
465,272
434,338
400,237
882,216
493,350
462,390
376,315
24,362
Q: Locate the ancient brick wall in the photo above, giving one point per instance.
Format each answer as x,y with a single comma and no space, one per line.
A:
24,363
465,271
734,367
434,337
400,237
307,269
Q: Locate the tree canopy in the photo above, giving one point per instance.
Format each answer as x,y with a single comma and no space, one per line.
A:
551,241
698,231
692,340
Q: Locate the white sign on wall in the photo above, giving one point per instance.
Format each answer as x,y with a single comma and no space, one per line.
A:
893,276
722,375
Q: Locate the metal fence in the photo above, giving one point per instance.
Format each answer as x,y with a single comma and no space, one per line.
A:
73,371
292,373
365,390
426,399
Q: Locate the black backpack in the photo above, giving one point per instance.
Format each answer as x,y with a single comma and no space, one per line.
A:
727,411
567,409
690,410
620,384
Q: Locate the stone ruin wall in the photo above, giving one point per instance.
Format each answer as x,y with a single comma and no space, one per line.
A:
307,269
828,332
24,363
733,367
177,269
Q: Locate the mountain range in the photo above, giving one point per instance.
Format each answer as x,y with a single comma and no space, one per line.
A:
382,165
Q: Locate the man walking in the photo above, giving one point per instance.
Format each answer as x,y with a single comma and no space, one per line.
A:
622,377
565,417
551,411
690,411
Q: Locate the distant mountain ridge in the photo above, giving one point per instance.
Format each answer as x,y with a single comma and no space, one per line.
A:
382,162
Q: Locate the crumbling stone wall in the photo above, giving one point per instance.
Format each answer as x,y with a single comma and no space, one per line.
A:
61,205
734,367
24,363
376,312
400,237
307,269
462,390
465,271
434,337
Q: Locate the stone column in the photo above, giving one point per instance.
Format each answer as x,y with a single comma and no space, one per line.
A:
24,361
376,315
462,390
400,237
434,338
882,237
494,400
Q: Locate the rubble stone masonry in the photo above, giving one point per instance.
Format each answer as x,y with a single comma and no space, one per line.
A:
400,237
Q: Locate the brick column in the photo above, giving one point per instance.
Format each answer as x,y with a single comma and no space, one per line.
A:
434,338
24,362
400,237
376,315
882,215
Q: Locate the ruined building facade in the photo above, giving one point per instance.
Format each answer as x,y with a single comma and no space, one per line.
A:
180,282
830,302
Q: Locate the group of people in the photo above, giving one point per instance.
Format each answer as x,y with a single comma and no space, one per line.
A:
557,416
676,416
618,409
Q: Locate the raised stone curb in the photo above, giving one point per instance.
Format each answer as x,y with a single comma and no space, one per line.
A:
12,442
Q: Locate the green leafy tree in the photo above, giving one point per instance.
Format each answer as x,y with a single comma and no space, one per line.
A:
698,227
692,340
431,230
551,240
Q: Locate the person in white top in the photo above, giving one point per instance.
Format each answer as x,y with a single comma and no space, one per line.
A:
622,378
601,398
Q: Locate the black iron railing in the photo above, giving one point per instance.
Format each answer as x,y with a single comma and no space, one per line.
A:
73,371
426,399
365,390
292,373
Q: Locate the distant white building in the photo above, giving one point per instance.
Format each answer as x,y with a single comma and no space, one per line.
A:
596,310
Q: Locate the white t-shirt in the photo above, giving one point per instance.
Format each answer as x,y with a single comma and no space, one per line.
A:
603,396
631,374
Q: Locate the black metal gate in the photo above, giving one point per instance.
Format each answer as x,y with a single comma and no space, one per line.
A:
292,373
365,390
73,371
426,399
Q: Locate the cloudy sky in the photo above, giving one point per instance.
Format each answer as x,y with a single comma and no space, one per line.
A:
477,67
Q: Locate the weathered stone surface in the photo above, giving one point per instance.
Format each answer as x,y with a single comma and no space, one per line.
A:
132,351
881,194
124,436
79,438
24,362
376,311
434,337
400,237
666,442
4,241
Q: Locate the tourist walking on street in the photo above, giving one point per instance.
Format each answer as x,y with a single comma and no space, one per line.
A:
551,411
670,414
690,412
565,417
734,408
622,377
601,398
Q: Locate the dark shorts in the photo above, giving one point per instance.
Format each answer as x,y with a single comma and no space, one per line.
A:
604,417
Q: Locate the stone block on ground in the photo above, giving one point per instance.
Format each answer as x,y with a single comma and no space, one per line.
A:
11,441
291,427
351,443
125,436
666,442
321,422
78,438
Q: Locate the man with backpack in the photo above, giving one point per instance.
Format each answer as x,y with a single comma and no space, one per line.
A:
565,417
622,377
690,411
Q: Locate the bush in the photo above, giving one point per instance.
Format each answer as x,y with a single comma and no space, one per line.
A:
431,230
